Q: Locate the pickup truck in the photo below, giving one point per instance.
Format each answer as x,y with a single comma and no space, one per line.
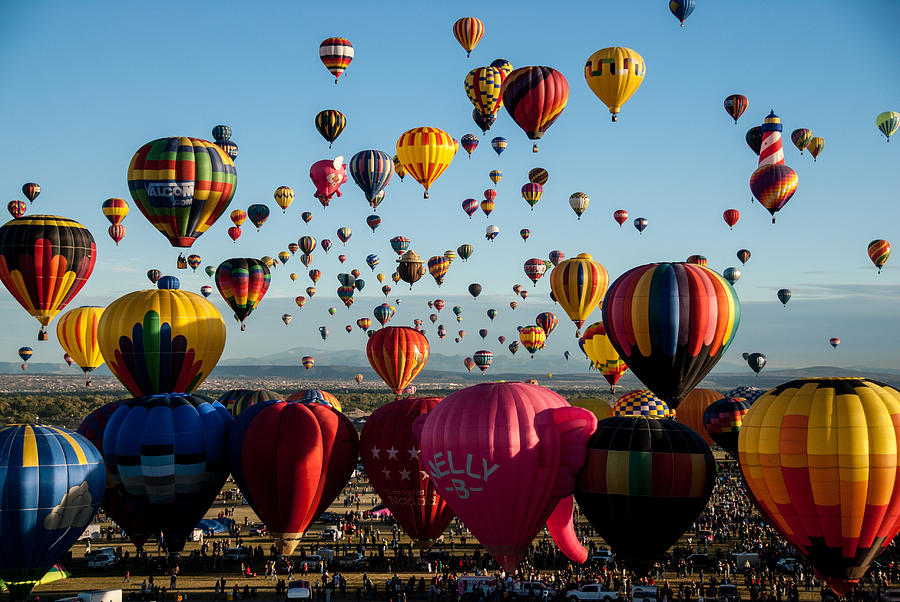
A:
526,589
603,556
593,591
350,561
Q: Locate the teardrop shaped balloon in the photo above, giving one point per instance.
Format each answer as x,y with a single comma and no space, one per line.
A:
242,282
773,186
468,32
397,354
330,123
78,334
535,97
372,171
578,285
336,54
735,105
614,75
425,153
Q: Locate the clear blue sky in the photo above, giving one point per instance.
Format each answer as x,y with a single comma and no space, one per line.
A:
84,85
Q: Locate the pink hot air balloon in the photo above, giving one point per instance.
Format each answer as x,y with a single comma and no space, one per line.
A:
479,443
328,175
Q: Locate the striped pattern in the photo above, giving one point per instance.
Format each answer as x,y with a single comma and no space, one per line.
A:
483,359
879,251
468,32
469,143
735,105
603,356
78,334
538,175
487,206
438,266
115,210
579,202
770,150
499,145
698,260
773,186
533,338
166,453
238,216
242,282
641,224
181,185
682,9
383,313
17,208
671,322
398,168
614,75
801,137
31,190
534,269
821,459
532,193
816,145
44,261
284,196
483,86
503,65
316,396
578,285
238,400
336,54
547,321
221,133
425,153
723,420
344,233
372,171
330,123
470,206
307,361
535,97
642,403
887,123
51,483
397,354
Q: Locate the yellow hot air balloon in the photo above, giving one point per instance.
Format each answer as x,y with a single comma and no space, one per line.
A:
483,89
77,334
604,357
284,196
600,408
161,340
579,284
425,152
380,277
815,146
614,74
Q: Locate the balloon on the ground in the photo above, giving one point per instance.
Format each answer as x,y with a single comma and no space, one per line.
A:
238,400
692,408
642,402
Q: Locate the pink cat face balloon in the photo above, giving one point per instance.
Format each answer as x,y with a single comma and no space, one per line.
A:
328,175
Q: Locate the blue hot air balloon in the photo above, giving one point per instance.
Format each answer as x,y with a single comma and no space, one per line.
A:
681,9
51,483
372,170
166,452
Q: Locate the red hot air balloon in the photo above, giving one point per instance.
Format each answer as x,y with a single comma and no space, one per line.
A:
621,216
291,460
735,105
731,217
479,442
535,97
397,354
390,454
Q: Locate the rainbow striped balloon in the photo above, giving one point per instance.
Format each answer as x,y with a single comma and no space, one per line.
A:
671,322
77,331
242,282
336,54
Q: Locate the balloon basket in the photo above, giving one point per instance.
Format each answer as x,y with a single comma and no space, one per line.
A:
42,335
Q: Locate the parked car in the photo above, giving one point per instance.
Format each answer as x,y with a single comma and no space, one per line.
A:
313,563
644,593
236,555
529,589
330,518
354,560
603,555
331,533
728,592
787,565
103,560
593,591
258,529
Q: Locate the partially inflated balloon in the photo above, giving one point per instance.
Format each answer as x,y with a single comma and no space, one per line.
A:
821,459
181,185
614,74
692,408
78,334
671,322
389,451
161,340
479,442
425,152
316,396
291,460
242,282
535,97
238,400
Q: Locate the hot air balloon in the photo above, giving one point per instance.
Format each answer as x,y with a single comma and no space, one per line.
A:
468,32
359,378
411,267
117,233
879,250
384,313
17,208
815,146
834,342
682,9
470,206
323,332
491,232
306,216
888,122
31,190
465,251
700,260
439,304
535,97
731,217
389,451
800,138
238,400
743,255
242,282
533,338
154,275
150,446
578,285
784,295
330,123
525,429
44,262
556,257
457,311
492,313
307,361
692,407
499,145
532,194
487,206
534,269
234,233
723,420
344,234
469,363
495,175
469,143
400,244
641,224
617,493
345,294
483,359
604,357
284,196
754,139
283,257
732,275
773,186
547,321
474,290
735,105
513,347
181,185
114,210
482,86
538,175
336,54
437,267
53,481
426,152
372,171
327,175
316,396
25,353
621,216
194,262
397,354
614,74
756,361
642,403
671,322
300,300
77,332
579,203
839,513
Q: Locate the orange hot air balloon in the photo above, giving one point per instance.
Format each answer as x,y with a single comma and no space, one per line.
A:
578,284
397,354
426,152
692,407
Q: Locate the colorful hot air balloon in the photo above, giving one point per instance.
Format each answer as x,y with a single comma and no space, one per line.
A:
327,175
166,453
316,396
533,337
78,334
800,137
389,451
834,342
642,403
291,460
344,233
671,322
525,233
815,146
682,9
238,217
258,214
499,145
603,355
495,175
743,255
524,430
887,123
482,86
426,152
535,97
181,185
487,206
614,74
31,190
470,206
194,261
731,217
52,481
639,467
735,105
154,275
692,407
879,250
784,295
330,123
397,354
372,171
579,203
44,261
773,186
242,282
117,233
284,196
383,313
547,321
115,210
534,269
17,208
437,267
238,400
578,285
532,194
307,361
621,216
723,420
754,139
483,359
641,223
468,32
336,54
820,458
469,143
538,175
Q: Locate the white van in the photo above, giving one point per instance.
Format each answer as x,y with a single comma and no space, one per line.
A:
103,560
644,593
